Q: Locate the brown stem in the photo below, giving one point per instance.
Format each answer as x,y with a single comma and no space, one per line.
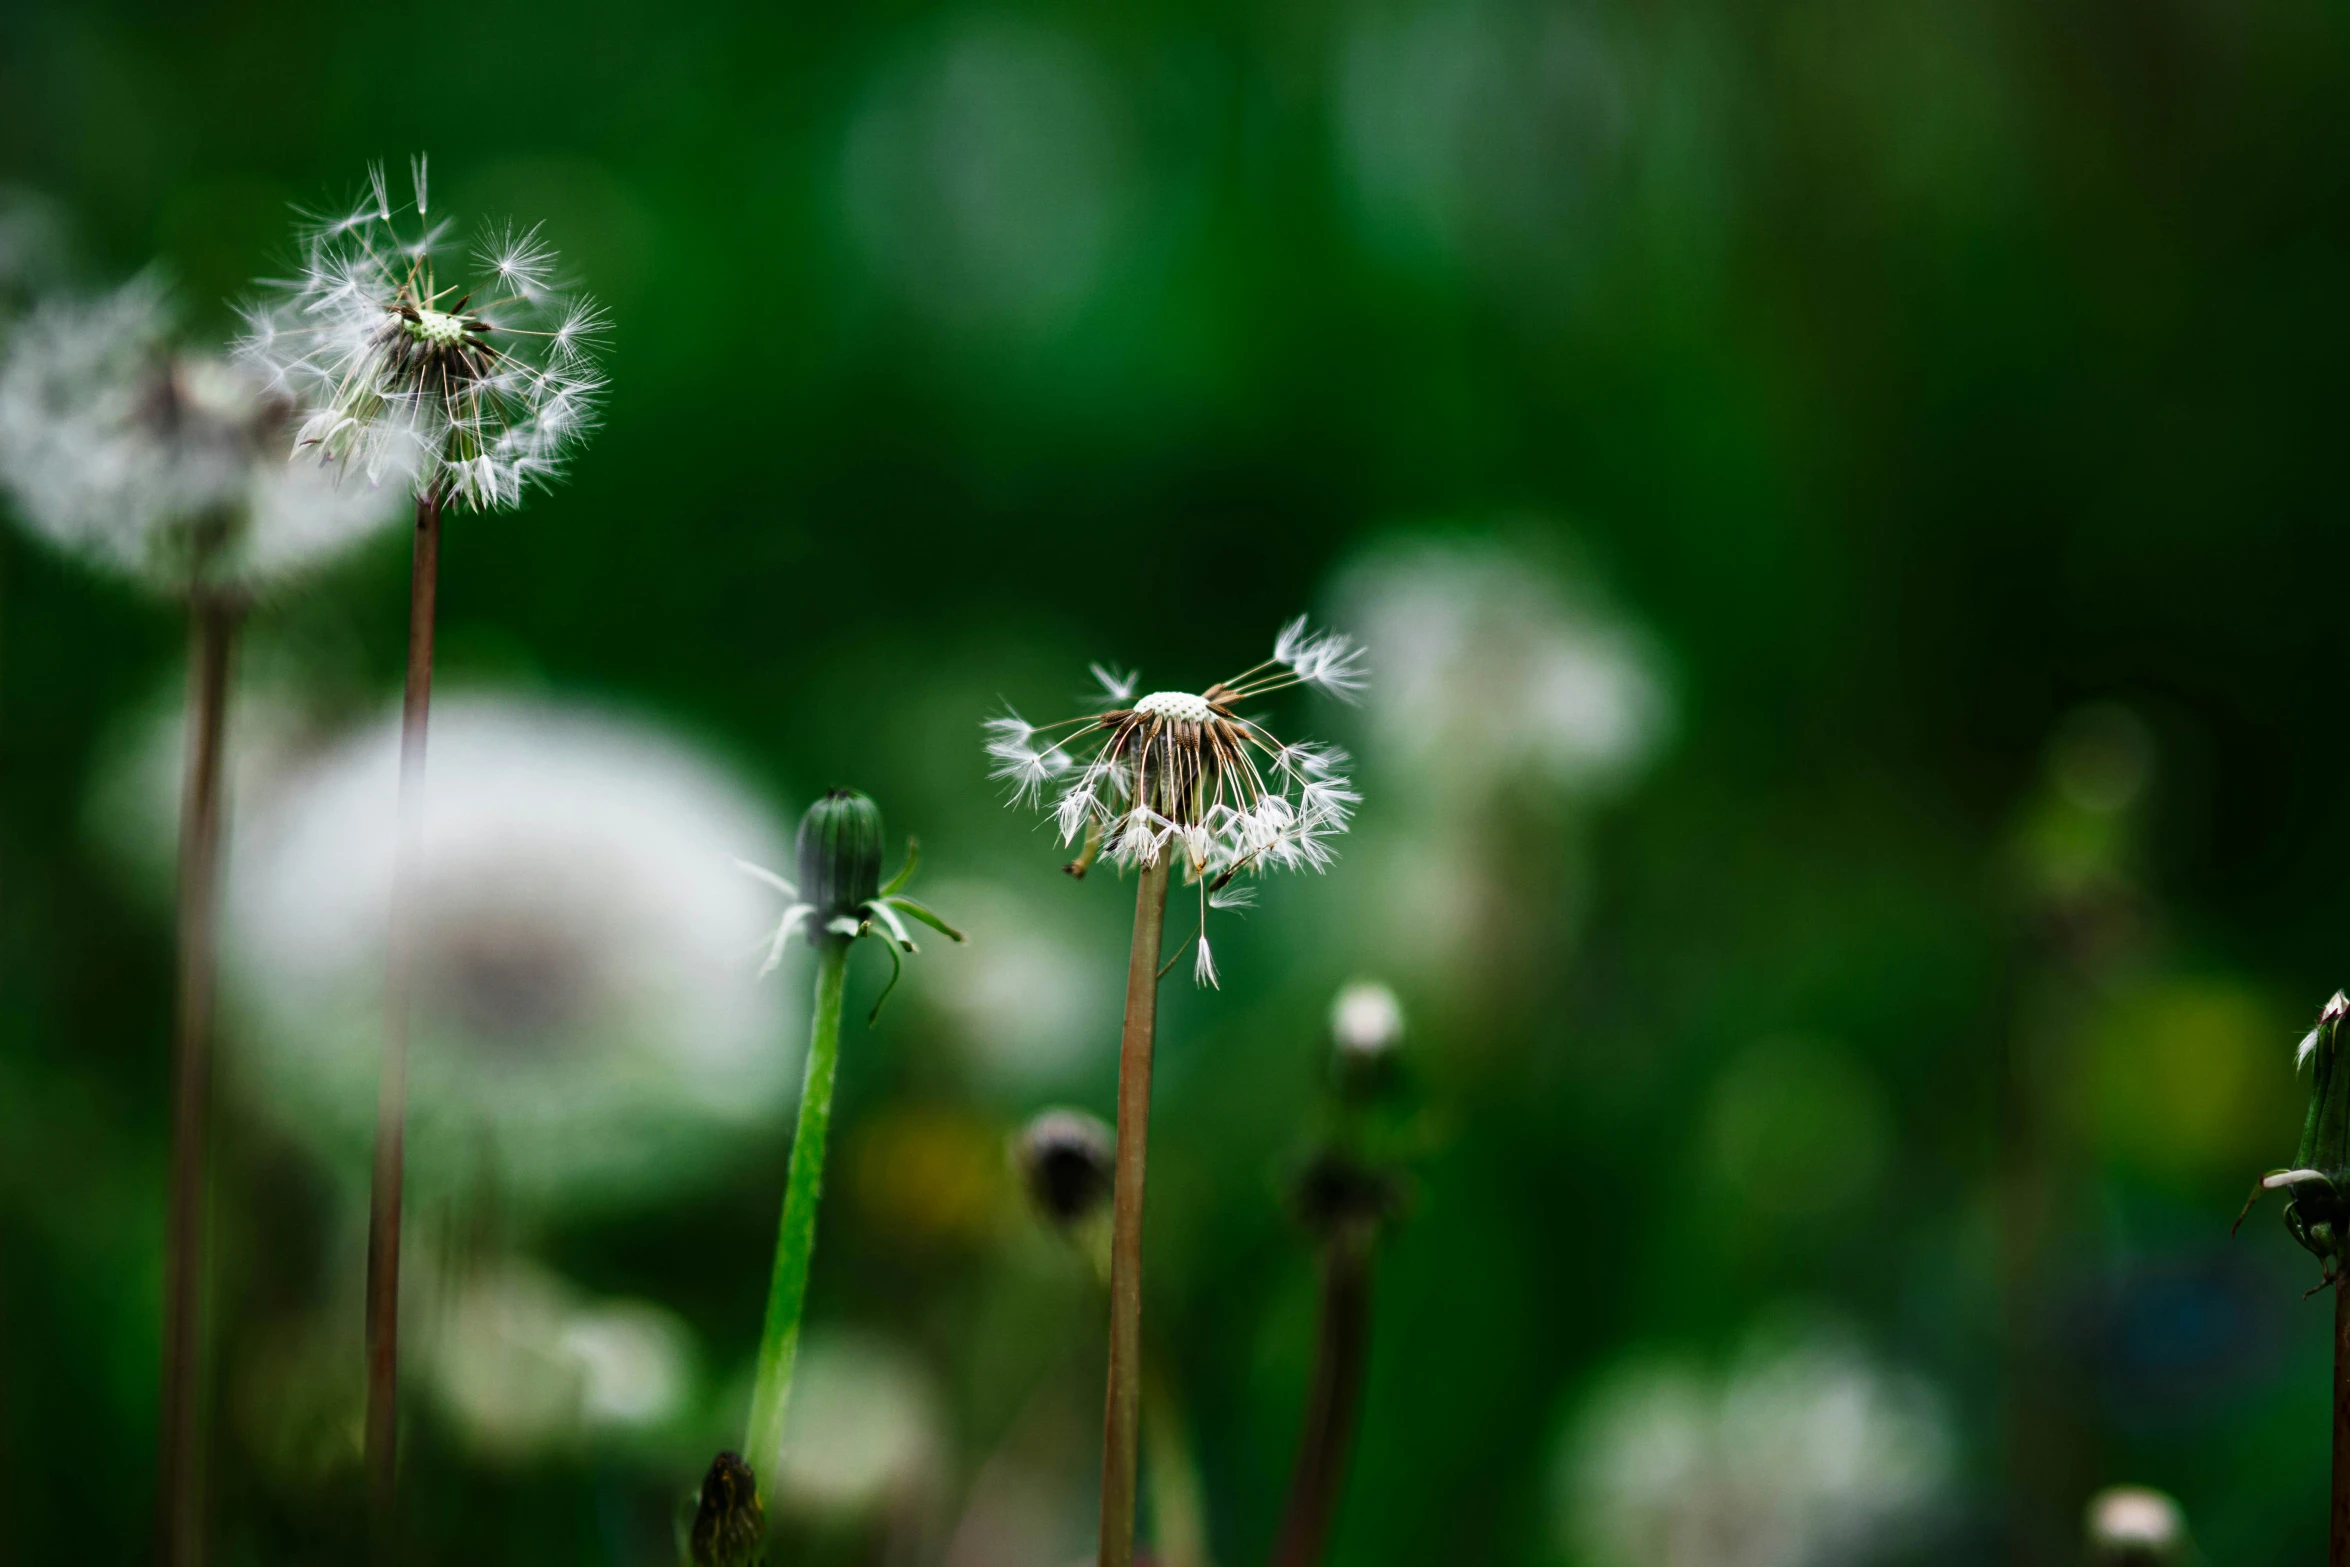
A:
180,1509
1339,1357
1121,1419
2338,1546
391,1100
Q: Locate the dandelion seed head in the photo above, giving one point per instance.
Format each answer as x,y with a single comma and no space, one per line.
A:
1176,707
1191,770
482,386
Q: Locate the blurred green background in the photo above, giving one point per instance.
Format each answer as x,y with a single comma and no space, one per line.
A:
1842,500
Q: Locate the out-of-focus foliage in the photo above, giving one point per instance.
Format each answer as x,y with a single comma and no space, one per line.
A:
1841,500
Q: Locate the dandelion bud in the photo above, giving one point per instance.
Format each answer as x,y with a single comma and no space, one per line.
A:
1064,1160
2317,1186
1366,1027
729,1523
840,861
2132,1526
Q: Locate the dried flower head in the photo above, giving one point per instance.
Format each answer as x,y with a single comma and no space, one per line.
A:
481,382
169,466
730,1525
1191,773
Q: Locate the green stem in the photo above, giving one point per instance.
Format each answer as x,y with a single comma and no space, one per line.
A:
795,1239
2338,1515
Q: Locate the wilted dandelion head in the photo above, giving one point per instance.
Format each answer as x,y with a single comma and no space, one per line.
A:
122,448
1190,775
587,1026
475,371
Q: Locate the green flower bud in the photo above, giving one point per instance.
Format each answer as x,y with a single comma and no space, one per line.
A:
730,1524
2317,1187
840,862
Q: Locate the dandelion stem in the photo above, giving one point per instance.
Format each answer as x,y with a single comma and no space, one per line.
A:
1121,1419
391,1100
795,1239
1340,1352
179,1525
2338,1547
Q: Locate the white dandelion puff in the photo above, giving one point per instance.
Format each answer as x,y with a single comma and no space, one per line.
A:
586,1018
122,448
1807,1452
1191,770
482,388
1366,1020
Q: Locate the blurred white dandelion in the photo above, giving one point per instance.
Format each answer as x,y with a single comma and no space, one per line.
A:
473,374
2135,1526
865,1426
587,1019
1366,1021
123,449
1496,671
1809,1452
1032,1004
1510,698
522,1361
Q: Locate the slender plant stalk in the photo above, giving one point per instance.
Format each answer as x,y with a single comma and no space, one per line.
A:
795,1238
180,1513
1339,1357
1122,1416
2338,1546
391,1099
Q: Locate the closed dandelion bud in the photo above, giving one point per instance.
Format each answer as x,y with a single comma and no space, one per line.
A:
2132,1526
1064,1160
730,1525
2317,1187
840,863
